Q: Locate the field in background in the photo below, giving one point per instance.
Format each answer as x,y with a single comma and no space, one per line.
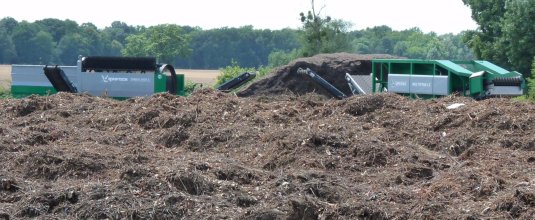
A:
5,76
206,77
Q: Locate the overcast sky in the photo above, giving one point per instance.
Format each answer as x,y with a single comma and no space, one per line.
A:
440,16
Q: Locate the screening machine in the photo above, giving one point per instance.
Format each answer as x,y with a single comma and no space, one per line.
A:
435,78
118,77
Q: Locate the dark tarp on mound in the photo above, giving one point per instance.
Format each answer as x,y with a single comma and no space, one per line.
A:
331,67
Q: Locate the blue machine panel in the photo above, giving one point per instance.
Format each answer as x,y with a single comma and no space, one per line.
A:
418,84
399,83
32,75
117,84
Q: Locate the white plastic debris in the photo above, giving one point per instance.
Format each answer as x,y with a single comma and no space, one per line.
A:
454,106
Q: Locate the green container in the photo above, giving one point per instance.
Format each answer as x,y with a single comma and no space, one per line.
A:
476,84
180,84
433,78
160,84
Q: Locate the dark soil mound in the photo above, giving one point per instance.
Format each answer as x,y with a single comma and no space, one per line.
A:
217,156
331,67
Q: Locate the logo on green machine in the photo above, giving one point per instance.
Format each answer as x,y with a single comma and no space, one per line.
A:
108,79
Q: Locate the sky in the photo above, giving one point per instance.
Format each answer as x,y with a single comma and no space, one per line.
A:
439,16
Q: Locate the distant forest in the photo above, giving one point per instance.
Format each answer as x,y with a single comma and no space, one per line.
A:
53,41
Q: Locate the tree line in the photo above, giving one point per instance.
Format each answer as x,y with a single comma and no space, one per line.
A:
54,41
506,33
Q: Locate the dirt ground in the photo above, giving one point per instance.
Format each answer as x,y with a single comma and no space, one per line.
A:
297,156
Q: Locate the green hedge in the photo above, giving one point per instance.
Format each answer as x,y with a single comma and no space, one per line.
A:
234,70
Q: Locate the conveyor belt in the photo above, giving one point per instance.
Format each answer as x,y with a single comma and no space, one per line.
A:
507,81
359,84
59,80
236,82
329,87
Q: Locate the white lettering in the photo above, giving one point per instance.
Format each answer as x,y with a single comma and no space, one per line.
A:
108,79
421,84
399,83
140,80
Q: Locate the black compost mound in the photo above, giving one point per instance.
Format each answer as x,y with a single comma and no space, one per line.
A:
331,67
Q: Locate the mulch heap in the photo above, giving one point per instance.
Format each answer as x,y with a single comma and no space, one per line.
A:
217,156
282,150
331,67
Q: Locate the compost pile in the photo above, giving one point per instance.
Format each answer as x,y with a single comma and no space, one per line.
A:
331,67
214,155
300,155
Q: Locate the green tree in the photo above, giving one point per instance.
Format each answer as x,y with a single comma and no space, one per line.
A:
116,48
119,31
165,42
8,24
7,48
531,82
419,45
377,39
487,41
116,35
454,48
96,42
323,35
70,47
135,46
519,32
362,46
506,33
57,28
33,45
22,35
43,51
216,48
436,49
281,58
410,43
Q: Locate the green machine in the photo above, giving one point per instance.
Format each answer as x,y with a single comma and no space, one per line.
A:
435,78
117,77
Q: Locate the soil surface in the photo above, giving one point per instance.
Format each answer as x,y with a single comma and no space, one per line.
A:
214,155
